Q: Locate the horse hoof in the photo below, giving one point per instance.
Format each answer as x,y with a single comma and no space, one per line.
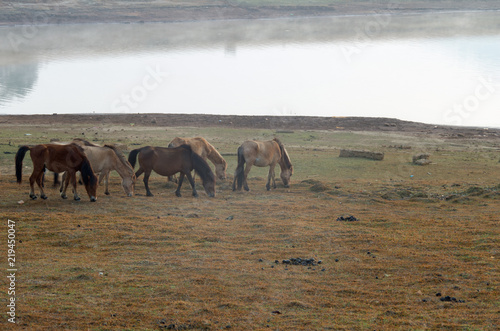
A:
77,198
93,199
107,193
64,196
195,195
178,194
149,194
44,197
33,197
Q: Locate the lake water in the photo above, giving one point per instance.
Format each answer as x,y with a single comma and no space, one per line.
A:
434,68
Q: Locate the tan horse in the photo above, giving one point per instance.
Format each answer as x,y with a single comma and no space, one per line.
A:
105,159
203,148
262,154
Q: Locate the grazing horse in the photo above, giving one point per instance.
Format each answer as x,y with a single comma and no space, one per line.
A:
262,154
57,158
203,148
169,161
105,159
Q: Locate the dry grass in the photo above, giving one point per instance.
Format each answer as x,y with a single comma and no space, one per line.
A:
199,263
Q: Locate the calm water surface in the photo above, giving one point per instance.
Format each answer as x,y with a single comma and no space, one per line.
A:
434,68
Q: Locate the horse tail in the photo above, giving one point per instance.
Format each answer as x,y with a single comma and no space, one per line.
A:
201,166
19,162
132,157
88,176
239,173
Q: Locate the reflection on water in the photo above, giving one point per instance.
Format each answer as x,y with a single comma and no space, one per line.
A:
16,81
435,68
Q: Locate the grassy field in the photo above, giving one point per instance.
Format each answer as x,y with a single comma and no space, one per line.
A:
422,253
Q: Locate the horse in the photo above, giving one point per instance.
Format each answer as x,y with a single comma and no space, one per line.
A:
203,148
169,161
104,159
57,158
262,154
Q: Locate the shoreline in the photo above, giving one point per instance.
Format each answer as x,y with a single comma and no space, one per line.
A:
346,124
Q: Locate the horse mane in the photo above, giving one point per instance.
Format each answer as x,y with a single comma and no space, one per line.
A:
214,155
201,166
121,157
88,176
79,148
84,142
284,154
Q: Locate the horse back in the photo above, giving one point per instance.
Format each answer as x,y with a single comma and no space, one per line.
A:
59,158
199,145
263,153
166,161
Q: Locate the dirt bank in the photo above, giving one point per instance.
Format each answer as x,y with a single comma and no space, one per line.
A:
120,11
260,122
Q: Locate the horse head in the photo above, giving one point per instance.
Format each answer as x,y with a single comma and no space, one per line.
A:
209,187
220,170
286,173
285,164
128,184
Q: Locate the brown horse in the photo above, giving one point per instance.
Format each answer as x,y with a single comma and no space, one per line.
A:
203,148
262,154
169,161
57,158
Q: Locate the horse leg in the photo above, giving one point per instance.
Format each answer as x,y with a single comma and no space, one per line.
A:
139,172
146,183
32,187
104,176
191,181
64,185
34,178
180,180
72,177
61,187
39,182
245,175
271,177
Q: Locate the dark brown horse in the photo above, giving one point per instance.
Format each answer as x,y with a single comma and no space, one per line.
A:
57,158
262,154
169,161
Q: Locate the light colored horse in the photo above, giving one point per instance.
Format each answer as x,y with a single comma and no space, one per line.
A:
106,158
203,148
262,154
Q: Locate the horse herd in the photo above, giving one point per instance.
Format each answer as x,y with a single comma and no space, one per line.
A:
183,155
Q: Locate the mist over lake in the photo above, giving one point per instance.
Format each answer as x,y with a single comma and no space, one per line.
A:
438,68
